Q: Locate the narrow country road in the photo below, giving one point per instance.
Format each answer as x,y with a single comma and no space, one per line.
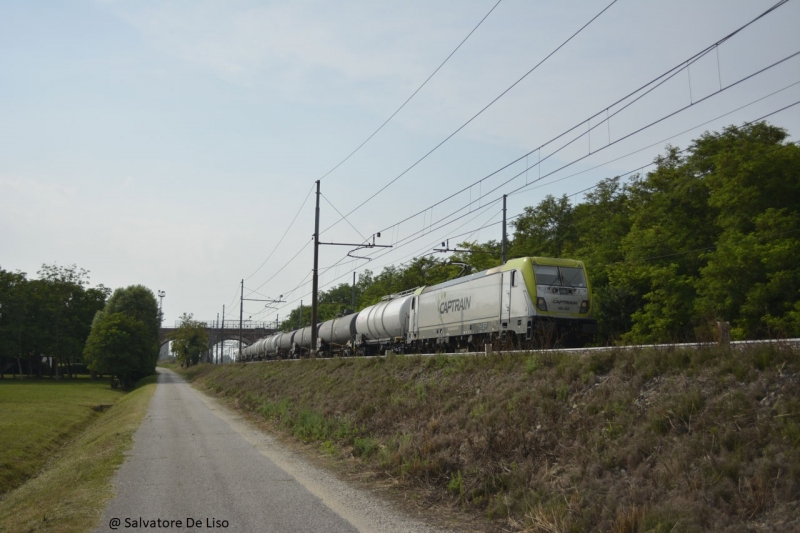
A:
196,462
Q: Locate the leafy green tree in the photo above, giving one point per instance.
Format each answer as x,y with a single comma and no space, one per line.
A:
547,230
118,345
417,273
752,278
601,222
68,305
47,317
480,256
14,303
190,340
139,302
710,234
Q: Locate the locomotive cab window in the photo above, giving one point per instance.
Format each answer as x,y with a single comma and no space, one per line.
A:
572,277
559,276
546,275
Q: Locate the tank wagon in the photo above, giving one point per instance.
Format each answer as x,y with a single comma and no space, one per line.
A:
526,303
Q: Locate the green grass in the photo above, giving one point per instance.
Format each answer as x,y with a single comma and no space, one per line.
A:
70,492
39,416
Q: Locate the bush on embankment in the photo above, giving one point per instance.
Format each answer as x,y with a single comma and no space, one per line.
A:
618,441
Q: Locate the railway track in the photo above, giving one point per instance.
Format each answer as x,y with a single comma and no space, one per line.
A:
793,343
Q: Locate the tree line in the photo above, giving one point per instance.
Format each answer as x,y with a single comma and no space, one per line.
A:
44,322
57,326
711,234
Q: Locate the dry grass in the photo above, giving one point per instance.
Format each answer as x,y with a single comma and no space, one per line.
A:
70,493
622,441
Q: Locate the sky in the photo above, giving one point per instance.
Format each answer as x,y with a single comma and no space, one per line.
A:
176,144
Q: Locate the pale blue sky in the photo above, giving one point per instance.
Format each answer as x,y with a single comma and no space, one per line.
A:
171,143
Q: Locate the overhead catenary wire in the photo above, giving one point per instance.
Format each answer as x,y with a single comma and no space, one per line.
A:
683,65
476,115
284,234
348,273
416,253
373,134
670,73
343,217
624,137
298,286
662,141
412,94
383,253
655,82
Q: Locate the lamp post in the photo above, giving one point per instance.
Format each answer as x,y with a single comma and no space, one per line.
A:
161,295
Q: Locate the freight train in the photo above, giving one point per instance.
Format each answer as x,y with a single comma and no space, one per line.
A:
526,303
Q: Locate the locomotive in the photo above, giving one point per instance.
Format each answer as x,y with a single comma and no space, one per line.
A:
526,303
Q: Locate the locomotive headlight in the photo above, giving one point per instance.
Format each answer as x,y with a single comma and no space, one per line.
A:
584,307
541,304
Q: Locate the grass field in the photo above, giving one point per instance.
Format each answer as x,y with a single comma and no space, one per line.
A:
39,416
72,481
623,441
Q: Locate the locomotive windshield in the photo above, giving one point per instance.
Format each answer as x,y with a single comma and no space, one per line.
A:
559,276
572,277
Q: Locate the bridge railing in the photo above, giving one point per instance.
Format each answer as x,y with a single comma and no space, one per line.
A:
234,324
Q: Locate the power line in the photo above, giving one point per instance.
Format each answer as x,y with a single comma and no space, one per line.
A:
285,265
517,216
284,234
670,73
661,141
487,106
343,217
368,139
613,142
414,93
415,253
658,81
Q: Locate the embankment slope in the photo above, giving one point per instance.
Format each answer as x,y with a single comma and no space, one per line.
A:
620,441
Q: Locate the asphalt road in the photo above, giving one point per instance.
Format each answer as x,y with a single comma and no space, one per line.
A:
190,462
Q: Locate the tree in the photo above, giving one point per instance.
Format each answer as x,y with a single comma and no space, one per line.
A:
711,234
547,230
712,238
118,345
67,307
47,317
139,302
480,256
752,277
13,310
190,340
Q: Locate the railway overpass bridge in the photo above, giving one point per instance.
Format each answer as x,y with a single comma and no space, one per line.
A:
251,331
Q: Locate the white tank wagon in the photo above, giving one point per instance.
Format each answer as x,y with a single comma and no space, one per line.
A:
337,335
248,353
385,324
286,342
272,345
528,302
